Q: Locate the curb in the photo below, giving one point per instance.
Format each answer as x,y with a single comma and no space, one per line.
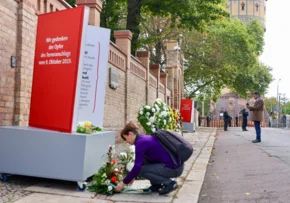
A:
190,190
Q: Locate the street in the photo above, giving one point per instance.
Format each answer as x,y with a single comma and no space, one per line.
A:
241,172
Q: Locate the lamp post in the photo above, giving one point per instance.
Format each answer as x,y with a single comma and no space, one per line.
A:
278,102
278,98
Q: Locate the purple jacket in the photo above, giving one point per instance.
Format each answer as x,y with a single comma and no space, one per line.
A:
148,147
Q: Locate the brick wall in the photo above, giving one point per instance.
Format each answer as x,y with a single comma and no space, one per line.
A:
136,96
8,39
151,94
27,22
114,113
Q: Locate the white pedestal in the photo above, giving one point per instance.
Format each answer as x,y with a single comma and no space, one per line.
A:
49,154
190,127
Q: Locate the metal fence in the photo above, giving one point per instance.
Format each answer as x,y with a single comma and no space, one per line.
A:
273,124
279,124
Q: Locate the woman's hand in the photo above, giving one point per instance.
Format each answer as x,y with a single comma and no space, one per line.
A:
120,186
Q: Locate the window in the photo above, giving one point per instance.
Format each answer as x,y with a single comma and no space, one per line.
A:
257,7
243,6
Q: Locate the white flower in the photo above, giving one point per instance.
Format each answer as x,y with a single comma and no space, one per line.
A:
147,107
164,113
157,107
148,123
104,175
123,154
110,188
141,112
153,129
81,123
159,101
152,119
153,110
129,166
164,122
116,170
132,148
169,119
148,114
107,182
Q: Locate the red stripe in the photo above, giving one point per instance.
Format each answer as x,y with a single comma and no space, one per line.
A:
96,89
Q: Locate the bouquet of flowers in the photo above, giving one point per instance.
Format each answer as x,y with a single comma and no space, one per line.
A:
107,177
177,124
126,160
157,116
87,128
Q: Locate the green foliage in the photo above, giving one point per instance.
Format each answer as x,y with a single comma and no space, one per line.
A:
270,103
206,100
225,55
71,2
286,108
113,15
186,14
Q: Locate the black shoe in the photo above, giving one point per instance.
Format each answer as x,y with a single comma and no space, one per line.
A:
256,141
168,188
246,130
153,188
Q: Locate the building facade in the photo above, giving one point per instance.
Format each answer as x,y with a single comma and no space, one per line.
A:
246,10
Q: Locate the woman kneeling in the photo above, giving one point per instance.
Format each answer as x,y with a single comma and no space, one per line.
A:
152,162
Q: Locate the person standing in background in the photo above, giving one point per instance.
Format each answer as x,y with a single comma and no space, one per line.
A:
258,115
226,120
237,120
245,119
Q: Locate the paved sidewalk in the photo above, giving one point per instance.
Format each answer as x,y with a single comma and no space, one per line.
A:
243,172
53,191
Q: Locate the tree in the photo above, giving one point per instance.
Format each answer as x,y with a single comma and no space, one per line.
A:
187,13
113,15
286,108
270,103
155,31
206,101
71,2
225,55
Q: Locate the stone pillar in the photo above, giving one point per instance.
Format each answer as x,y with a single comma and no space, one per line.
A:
155,70
170,83
95,10
144,57
26,37
123,42
163,80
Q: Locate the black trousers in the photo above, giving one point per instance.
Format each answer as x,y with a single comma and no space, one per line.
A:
245,123
226,125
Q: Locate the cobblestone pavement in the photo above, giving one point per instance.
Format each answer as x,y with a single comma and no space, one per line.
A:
13,190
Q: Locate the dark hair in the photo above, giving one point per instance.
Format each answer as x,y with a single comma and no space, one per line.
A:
129,127
257,93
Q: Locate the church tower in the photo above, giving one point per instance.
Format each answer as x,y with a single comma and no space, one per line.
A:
246,10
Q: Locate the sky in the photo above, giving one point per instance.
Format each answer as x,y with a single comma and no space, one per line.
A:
277,45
